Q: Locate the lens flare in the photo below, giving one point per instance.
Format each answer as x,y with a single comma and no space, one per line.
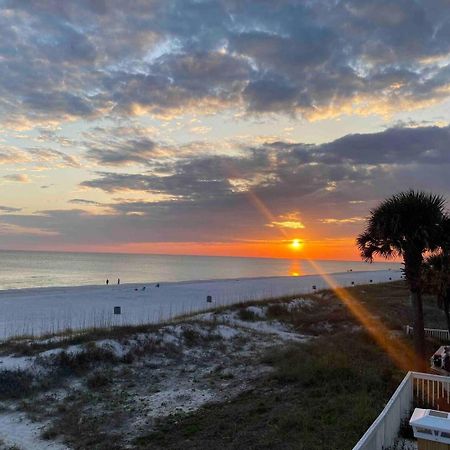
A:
399,351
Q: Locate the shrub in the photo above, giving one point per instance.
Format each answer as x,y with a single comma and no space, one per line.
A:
406,431
15,384
277,310
247,315
79,363
98,380
49,434
191,337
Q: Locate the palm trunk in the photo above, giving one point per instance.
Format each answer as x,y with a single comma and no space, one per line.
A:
446,287
413,263
446,305
419,333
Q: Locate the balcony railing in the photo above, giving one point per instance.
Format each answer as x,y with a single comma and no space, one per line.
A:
442,335
416,389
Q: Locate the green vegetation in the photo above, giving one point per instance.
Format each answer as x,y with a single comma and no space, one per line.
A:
69,364
321,395
247,315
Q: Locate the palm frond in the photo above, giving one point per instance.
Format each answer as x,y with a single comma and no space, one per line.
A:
407,221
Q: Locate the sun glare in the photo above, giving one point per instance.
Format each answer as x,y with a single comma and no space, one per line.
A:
296,244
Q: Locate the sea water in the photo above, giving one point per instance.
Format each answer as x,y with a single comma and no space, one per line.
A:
21,269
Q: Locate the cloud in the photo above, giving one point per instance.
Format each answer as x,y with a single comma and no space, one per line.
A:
280,183
317,59
290,221
133,144
132,151
12,229
17,178
349,174
82,201
333,221
9,209
287,224
392,146
54,158
12,155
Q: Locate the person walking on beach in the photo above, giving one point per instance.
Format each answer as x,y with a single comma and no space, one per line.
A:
118,280
107,281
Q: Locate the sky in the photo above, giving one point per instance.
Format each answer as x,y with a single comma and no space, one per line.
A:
220,127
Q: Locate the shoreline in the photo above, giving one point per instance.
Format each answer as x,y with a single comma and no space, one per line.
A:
187,282
50,310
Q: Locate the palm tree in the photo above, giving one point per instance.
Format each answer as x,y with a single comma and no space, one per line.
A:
435,275
436,272
406,225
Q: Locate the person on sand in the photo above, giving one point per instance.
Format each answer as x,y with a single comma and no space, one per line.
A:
107,281
118,280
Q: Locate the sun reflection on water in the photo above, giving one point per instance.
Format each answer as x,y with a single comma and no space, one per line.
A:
295,269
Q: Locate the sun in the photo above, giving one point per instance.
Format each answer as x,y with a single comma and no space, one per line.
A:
296,244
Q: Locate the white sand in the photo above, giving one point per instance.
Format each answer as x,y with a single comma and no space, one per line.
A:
48,310
17,431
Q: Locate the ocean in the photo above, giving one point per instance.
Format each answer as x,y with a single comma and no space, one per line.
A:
21,269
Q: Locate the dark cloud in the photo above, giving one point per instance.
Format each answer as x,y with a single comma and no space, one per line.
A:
133,145
117,153
392,146
270,95
278,165
58,103
9,209
88,59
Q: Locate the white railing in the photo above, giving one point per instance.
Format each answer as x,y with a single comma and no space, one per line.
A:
432,391
442,335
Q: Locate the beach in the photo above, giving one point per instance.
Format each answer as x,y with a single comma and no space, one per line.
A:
42,311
